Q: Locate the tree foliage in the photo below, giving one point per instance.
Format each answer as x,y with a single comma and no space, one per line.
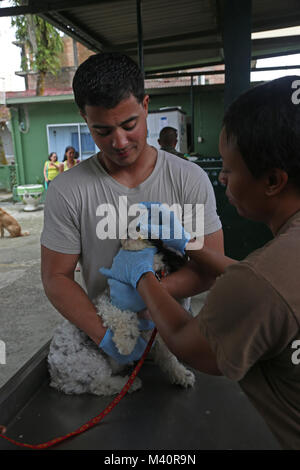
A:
42,46
3,160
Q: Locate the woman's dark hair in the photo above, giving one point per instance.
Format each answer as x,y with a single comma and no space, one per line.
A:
264,123
67,149
52,153
106,79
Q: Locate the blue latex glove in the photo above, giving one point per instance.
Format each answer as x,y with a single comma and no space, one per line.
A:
164,226
109,347
125,297
145,324
129,266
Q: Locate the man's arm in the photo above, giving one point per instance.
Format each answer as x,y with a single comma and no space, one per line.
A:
194,278
66,295
178,329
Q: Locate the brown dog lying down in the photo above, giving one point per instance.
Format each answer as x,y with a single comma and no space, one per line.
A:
9,223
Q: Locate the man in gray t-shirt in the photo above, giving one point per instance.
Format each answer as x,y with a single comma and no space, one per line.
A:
88,208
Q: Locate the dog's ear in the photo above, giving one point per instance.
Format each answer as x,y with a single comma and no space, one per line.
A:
173,260
157,243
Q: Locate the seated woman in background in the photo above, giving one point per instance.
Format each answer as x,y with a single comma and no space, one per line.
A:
69,159
51,168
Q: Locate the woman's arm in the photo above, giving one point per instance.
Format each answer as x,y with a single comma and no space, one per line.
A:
178,329
209,260
194,277
45,172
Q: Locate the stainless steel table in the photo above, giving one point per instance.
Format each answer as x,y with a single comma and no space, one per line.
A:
214,415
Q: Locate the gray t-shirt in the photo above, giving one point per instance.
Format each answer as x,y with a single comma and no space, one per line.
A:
85,201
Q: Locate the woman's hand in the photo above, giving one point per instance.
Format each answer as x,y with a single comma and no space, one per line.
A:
129,266
144,314
161,223
125,297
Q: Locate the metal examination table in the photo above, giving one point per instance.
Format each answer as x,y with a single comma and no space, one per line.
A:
214,415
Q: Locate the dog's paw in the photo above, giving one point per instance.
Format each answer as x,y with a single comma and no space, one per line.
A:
189,379
123,324
137,384
125,341
183,377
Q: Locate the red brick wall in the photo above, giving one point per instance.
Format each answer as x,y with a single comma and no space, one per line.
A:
63,80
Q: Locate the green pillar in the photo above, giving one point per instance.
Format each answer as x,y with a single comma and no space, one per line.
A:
18,148
242,236
237,48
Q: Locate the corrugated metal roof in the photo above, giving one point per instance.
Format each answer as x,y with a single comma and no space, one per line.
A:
176,33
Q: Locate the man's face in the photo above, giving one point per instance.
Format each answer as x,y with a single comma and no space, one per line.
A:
120,132
244,191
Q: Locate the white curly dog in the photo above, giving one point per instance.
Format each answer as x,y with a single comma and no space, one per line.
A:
77,365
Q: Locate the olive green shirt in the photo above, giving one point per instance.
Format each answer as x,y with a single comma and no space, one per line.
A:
252,321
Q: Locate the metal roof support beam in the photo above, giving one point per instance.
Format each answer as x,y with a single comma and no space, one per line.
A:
151,76
76,31
192,99
35,7
237,48
140,34
171,39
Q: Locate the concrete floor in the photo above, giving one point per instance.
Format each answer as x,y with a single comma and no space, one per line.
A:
27,319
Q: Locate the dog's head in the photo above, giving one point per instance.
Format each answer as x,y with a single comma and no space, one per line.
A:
166,260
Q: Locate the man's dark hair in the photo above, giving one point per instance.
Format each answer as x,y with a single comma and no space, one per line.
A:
264,123
106,79
167,136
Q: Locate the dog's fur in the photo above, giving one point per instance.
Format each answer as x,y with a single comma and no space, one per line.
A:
78,366
9,223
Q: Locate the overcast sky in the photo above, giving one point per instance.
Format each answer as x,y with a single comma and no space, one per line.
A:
10,57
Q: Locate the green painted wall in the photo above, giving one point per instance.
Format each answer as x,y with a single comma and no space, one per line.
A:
208,115
31,148
209,111
33,145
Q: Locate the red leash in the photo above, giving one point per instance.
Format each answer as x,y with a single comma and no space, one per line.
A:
97,418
